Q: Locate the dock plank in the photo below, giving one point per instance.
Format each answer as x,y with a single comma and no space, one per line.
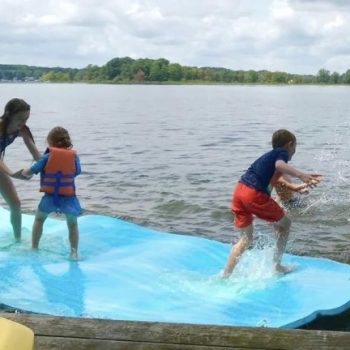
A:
93,344
53,332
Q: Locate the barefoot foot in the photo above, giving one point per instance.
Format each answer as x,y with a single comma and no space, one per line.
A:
74,254
284,268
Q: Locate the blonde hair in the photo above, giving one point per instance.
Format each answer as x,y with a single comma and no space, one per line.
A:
59,137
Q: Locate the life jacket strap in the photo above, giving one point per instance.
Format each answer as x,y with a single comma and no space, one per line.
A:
55,175
58,176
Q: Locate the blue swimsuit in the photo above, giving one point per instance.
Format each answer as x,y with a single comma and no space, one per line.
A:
7,140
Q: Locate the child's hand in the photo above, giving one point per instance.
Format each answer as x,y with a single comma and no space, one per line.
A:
313,184
304,190
311,179
27,173
315,181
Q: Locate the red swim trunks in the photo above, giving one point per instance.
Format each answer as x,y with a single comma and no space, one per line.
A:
247,201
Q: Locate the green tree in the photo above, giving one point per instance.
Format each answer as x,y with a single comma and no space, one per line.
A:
20,75
345,78
323,76
92,73
159,70
280,78
250,76
334,78
264,77
174,72
55,77
117,67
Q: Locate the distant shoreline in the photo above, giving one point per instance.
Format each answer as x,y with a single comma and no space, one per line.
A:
125,70
166,83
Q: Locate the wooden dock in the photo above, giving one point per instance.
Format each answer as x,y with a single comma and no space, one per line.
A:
65,333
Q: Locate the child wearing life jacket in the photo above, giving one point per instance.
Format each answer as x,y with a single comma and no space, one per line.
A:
58,167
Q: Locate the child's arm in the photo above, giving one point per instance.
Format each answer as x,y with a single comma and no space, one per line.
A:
292,186
37,166
77,165
309,179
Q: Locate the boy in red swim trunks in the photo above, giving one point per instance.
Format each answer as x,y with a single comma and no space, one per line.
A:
252,197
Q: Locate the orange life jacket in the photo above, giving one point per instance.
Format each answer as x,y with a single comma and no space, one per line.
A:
57,177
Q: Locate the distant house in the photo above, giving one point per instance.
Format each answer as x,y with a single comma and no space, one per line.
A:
139,76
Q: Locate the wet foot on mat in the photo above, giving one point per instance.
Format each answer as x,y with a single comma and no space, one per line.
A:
74,255
284,269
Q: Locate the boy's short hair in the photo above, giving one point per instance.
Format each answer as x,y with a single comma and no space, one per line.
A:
281,137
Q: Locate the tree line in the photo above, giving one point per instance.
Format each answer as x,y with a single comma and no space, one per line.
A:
145,70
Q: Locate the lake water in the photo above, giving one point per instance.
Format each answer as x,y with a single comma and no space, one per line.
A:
167,157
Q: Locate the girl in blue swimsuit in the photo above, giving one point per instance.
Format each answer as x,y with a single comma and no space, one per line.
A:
13,125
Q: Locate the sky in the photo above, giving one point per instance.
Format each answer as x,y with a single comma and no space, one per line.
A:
294,36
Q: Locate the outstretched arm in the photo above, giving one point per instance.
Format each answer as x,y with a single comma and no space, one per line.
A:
28,141
6,170
35,168
38,165
309,179
290,185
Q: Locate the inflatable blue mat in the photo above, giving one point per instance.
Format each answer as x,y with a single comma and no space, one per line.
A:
128,272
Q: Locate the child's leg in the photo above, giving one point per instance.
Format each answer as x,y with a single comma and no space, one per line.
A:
282,232
8,192
72,223
37,231
238,249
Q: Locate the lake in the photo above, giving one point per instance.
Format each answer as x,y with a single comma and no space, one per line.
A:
167,157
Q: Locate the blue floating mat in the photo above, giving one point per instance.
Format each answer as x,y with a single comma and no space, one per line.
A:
128,272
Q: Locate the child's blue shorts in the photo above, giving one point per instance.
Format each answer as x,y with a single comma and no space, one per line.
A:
62,204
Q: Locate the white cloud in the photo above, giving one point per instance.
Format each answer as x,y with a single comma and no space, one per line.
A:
282,10
298,36
337,22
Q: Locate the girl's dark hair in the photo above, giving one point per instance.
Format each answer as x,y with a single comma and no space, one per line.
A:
13,107
281,137
59,137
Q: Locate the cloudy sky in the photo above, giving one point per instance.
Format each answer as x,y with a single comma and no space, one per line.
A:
296,36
